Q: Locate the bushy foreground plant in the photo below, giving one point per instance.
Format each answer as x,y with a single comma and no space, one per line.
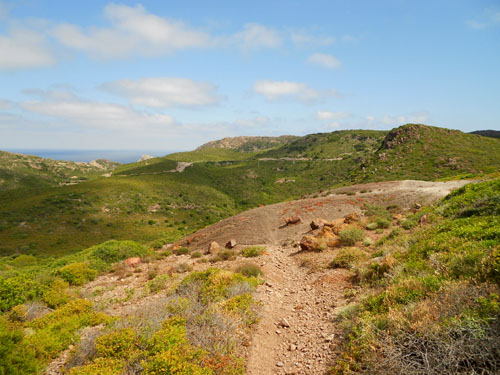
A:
435,305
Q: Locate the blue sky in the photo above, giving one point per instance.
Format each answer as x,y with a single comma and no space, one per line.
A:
172,75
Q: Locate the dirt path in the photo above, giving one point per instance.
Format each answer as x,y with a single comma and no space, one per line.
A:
296,331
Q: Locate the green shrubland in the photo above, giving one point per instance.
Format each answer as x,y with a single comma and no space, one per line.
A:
431,303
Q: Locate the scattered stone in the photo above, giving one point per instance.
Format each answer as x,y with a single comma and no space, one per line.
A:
284,323
280,364
351,218
307,243
317,223
231,243
418,206
292,348
213,248
293,220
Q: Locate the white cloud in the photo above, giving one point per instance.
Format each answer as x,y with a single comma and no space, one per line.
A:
304,38
328,115
255,36
273,90
324,60
162,92
22,48
98,114
133,31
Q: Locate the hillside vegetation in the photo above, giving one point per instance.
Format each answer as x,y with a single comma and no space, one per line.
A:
429,301
426,153
19,171
148,201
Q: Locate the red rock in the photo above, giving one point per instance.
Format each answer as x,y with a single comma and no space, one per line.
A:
132,262
293,220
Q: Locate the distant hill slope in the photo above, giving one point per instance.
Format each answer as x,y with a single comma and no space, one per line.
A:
248,143
487,133
330,145
28,171
145,201
424,152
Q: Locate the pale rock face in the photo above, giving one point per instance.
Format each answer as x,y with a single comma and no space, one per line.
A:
145,157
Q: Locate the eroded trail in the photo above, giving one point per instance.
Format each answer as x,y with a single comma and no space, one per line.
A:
296,333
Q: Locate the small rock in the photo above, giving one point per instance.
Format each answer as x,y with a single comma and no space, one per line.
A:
213,248
284,323
292,347
293,220
280,364
317,223
231,243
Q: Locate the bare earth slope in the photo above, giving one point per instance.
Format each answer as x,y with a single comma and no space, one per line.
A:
297,330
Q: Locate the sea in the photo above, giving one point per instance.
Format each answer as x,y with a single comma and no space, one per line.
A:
120,156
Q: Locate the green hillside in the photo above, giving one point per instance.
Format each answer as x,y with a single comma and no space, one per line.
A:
146,201
27,171
330,145
425,152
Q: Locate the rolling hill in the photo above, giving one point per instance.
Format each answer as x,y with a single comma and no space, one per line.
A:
28,171
149,201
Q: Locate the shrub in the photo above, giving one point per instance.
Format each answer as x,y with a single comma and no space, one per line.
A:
347,257
103,255
350,236
16,290
182,251
56,295
158,283
371,226
249,269
77,273
383,223
196,254
116,344
108,366
183,267
253,251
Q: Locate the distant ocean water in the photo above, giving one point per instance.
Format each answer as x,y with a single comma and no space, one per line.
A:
121,156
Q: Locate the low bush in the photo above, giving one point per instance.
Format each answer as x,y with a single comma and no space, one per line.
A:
77,273
350,236
347,258
249,269
182,251
158,283
253,251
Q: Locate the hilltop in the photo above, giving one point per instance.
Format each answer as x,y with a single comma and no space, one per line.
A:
248,143
488,133
18,171
426,152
